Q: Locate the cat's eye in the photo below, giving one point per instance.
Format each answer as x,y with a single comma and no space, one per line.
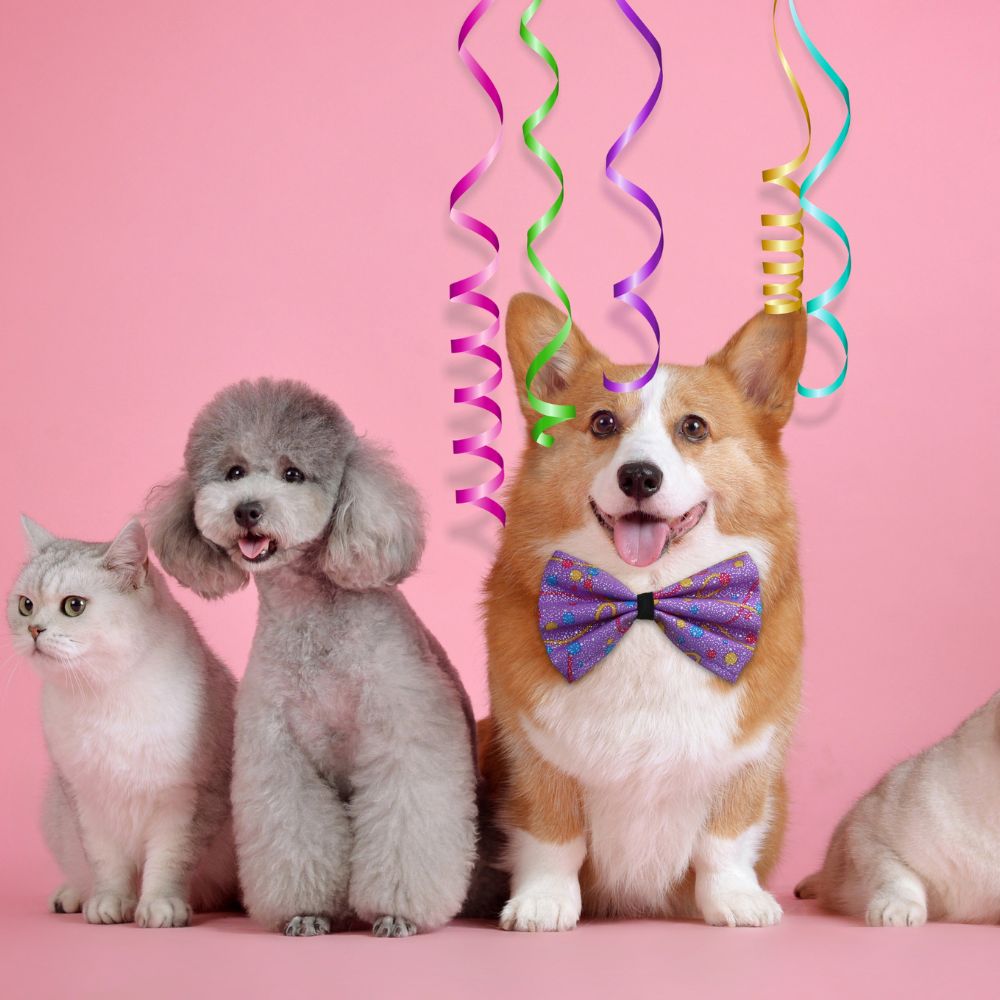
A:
25,605
74,606
293,475
694,428
235,472
603,424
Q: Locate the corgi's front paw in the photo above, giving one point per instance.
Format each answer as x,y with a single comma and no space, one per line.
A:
389,926
109,908
163,911
541,912
308,925
66,899
887,909
732,907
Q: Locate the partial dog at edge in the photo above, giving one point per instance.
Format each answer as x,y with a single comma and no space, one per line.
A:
650,787
354,782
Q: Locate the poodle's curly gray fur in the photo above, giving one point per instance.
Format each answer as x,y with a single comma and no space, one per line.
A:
354,784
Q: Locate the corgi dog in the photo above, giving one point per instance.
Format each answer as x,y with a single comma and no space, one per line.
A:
650,787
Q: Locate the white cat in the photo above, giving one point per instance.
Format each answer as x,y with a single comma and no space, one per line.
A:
924,843
138,719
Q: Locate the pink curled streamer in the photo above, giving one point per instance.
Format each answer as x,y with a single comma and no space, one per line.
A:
466,291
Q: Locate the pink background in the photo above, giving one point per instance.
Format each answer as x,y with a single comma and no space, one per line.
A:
195,192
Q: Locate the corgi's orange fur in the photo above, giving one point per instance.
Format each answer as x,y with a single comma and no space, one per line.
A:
649,787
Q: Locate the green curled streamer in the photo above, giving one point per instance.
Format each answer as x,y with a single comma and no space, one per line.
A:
817,306
550,413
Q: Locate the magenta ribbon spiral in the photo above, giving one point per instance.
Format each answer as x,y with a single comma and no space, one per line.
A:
466,290
625,288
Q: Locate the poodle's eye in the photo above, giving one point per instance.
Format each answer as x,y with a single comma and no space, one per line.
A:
694,428
293,475
74,606
236,472
25,605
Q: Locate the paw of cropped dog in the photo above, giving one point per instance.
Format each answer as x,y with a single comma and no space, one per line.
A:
390,926
307,925
548,912
742,908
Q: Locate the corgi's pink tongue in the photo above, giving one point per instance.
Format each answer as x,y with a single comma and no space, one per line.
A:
252,547
640,541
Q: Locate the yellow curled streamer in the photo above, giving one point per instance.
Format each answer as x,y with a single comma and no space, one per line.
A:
785,296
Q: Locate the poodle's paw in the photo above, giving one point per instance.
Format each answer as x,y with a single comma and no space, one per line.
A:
390,926
888,909
308,925
109,908
163,911
66,899
744,907
541,912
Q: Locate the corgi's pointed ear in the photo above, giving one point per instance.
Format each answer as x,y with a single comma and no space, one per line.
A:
531,323
764,358
36,535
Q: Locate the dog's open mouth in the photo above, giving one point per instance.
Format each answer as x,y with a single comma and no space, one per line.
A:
640,538
257,548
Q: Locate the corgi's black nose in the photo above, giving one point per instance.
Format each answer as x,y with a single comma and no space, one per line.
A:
639,480
249,513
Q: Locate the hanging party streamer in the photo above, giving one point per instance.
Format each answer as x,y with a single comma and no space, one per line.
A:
785,296
467,291
550,413
625,288
817,306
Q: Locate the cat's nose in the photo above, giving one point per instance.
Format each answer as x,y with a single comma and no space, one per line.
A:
35,630
249,513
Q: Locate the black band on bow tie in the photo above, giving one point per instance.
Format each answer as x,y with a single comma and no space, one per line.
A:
646,605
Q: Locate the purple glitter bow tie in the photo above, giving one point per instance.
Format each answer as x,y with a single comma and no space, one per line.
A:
712,616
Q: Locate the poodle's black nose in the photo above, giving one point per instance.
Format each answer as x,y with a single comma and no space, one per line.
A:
249,513
639,479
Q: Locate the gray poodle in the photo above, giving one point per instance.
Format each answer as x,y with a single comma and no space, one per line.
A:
354,784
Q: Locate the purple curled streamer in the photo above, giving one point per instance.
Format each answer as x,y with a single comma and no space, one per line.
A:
466,290
625,288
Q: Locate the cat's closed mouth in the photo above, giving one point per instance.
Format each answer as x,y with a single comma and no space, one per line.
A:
257,548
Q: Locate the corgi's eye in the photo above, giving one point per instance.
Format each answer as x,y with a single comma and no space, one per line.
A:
25,605
236,472
74,606
603,424
294,475
694,428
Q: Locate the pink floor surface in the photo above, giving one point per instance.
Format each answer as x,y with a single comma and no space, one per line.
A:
807,956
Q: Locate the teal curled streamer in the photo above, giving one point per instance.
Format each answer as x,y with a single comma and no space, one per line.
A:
817,306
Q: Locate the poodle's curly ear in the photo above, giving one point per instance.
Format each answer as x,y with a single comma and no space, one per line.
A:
182,549
377,529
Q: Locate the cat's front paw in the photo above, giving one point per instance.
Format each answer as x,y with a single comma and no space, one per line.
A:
890,910
749,907
308,925
66,899
390,926
163,911
543,911
109,908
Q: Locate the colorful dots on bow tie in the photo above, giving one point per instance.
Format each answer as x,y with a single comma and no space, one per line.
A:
567,617
552,581
738,563
575,647
549,626
688,582
697,631
576,575
730,659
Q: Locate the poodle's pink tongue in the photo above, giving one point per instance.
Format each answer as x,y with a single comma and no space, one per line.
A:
640,541
252,547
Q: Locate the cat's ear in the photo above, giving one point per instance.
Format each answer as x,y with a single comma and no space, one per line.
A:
128,555
36,535
184,552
